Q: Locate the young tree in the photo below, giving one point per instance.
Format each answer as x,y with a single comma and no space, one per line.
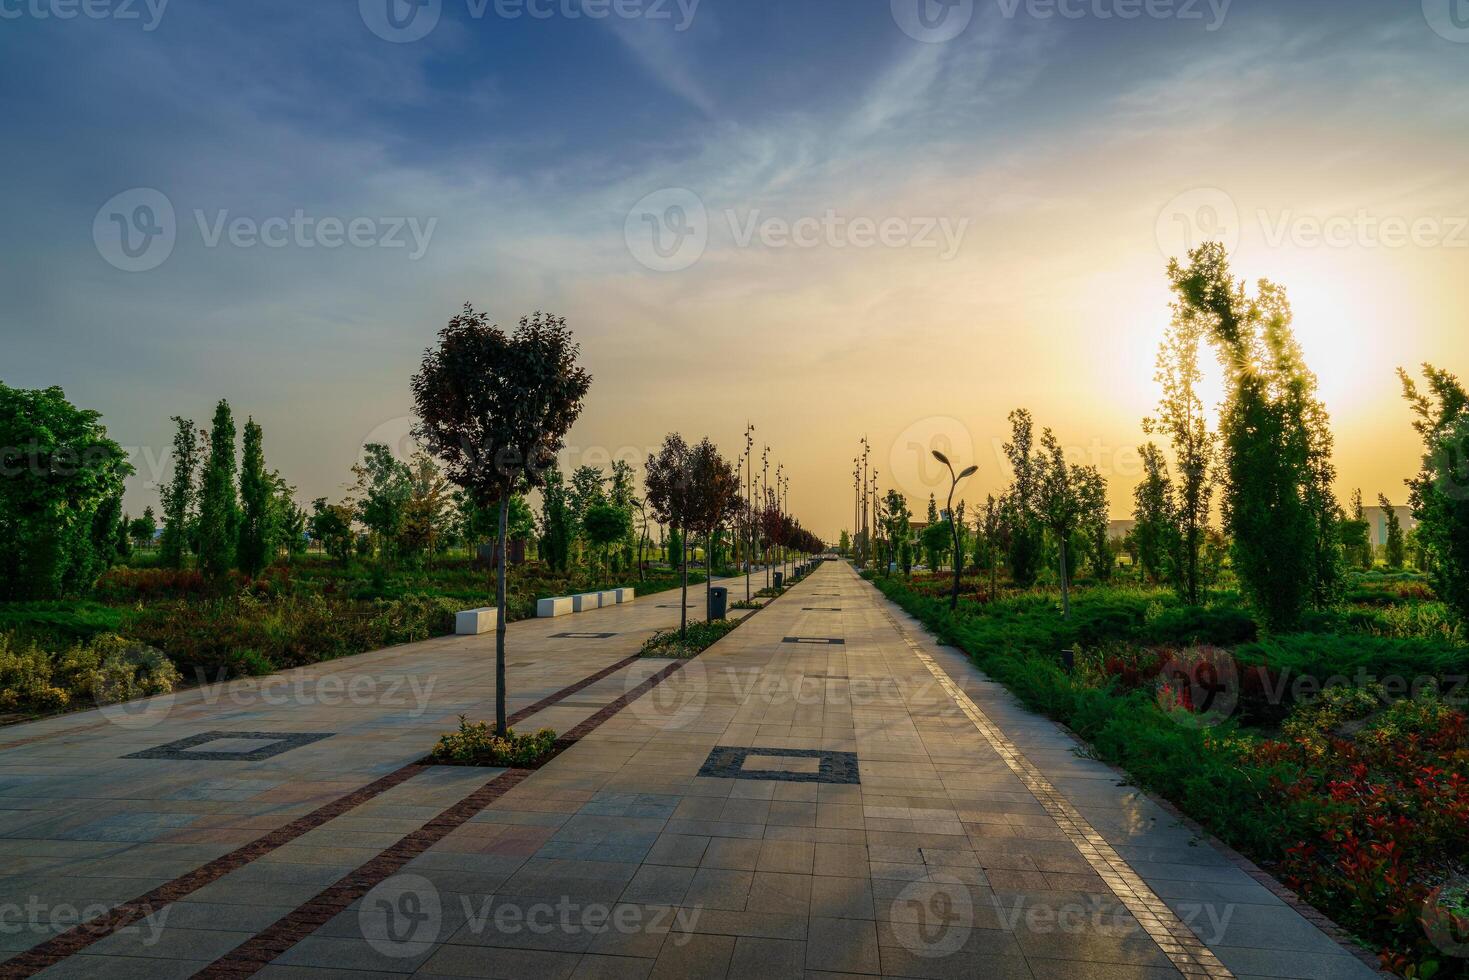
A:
1161,550
844,544
605,525
1195,449
426,510
714,502
496,409
1394,549
288,518
990,542
621,493
142,529
1024,527
123,541
897,522
1278,507
1066,494
219,508
331,524
178,496
1356,540
259,533
383,491
557,525
668,483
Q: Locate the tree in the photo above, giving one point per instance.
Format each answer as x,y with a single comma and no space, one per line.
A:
605,525
668,480
219,509
1439,494
1356,534
123,541
1023,524
621,493
989,541
1156,534
1394,548
897,521
259,531
58,472
496,410
557,526
179,495
936,539
1195,449
383,491
844,544
1066,494
426,510
142,529
1279,508
289,518
714,500
331,524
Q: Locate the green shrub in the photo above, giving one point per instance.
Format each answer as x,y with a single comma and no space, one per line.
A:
476,744
698,638
104,670
1355,657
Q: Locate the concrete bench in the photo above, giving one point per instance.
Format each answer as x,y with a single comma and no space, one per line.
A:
556,606
609,598
473,622
586,602
625,595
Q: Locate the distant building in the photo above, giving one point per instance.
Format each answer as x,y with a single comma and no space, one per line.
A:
1377,522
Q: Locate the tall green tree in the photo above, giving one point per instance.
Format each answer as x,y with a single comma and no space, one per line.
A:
179,495
1356,540
1279,507
897,521
1155,533
58,470
219,508
1394,547
496,409
1024,525
259,530
1068,496
142,529
557,524
1439,494
383,491
1181,418
606,526
670,491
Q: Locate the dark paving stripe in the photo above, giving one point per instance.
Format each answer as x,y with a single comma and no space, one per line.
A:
74,940
256,953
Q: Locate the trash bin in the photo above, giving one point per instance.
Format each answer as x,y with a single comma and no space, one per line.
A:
718,602
779,577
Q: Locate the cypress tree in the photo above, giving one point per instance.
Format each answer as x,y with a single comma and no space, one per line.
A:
218,507
257,536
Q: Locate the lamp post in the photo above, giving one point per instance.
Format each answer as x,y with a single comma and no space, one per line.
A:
749,501
765,500
953,519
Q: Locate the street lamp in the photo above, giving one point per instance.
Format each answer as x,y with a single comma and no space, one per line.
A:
953,520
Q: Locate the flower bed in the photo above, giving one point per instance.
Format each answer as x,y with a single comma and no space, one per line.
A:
476,744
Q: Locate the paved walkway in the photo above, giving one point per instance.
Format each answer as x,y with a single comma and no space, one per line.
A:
824,792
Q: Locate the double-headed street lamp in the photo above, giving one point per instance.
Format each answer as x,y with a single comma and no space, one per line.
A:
953,519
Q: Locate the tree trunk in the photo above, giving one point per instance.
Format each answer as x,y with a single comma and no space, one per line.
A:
709,578
683,603
500,725
1065,584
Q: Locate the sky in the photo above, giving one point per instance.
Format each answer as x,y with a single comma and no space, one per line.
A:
831,218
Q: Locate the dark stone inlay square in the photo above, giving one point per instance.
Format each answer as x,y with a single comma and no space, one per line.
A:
187,749
821,609
833,640
728,762
582,636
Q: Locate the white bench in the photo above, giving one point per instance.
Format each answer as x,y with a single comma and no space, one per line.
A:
609,598
556,606
625,595
586,602
473,622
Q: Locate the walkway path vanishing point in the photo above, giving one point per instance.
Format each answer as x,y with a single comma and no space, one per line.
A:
824,792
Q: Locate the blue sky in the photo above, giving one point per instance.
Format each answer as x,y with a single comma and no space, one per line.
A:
519,146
